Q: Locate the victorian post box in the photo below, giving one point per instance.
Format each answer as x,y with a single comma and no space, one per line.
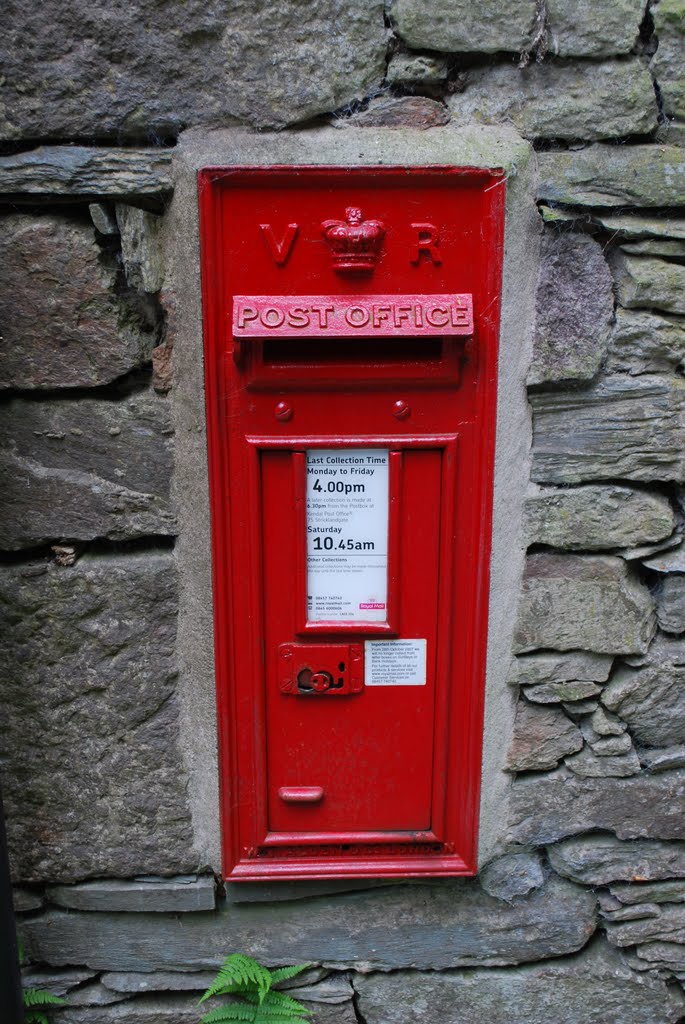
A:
351,325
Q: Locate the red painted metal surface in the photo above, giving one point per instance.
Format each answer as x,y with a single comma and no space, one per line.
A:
384,780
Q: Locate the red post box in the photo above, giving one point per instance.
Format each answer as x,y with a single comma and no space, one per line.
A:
351,325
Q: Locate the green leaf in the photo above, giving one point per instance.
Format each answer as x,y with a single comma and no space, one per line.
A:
37,997
282,1002
230,1012
283,973
35,1017
240,973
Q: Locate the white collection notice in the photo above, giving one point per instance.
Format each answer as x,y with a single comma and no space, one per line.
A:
347,534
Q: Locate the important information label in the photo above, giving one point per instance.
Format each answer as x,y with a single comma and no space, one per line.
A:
395,663
347,534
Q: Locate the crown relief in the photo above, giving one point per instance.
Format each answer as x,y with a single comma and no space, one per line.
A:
354,243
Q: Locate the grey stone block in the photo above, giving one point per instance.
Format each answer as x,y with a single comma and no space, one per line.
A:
595,987
644,342
26,900
621,427
457,26
668,954
667,63
555,666
664,759
666,247
57,982
570,601
85,468
588,101
636,913
546,809
158,981
156,70
512,876
590,765
643,282
600,175
400,112
605,724
600,859
542,736
670,891
651,700
63,326
79,172
669,926
572,691
416,69
596,517
670,603
574,309
584,28
141,247
89,674
177,895
432,927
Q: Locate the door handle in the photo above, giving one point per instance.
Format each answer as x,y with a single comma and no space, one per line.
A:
301,794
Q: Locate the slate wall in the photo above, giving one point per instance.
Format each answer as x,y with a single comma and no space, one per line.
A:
580,918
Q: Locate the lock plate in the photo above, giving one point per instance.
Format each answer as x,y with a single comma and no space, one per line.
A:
321,670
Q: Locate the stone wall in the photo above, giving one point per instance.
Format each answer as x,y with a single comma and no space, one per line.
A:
580,917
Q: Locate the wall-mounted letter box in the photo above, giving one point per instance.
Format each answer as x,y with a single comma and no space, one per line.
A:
351,324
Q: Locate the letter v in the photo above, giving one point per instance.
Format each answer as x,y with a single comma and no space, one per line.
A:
280,251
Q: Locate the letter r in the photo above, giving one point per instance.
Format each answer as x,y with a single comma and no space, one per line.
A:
427,241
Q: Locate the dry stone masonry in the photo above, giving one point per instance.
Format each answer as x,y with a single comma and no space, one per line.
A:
579,917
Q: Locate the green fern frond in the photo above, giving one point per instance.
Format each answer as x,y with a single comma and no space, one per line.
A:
37,997
242,971
284,973
35,1017
279,1002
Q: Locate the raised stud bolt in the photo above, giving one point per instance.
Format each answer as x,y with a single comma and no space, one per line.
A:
401,409
283,412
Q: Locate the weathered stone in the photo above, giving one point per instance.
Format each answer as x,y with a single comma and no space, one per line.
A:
595,987
542,736
103,218
332,991
140,247
666,247
588,765
670,603
158,70
275,892
94,994
554,666
548,808
85,468
158,981
88,672
189,893
670,891
667,63
452,924
663,760
642,282
669,926
401,112
662,952
513,876
643,551
456,26
560,101
603,175
673,560
26,900
181,1009
636,913
77,172
57,982
606,724
574,309
651,700
557,693
578,708
600,859
586,29
646,343
625,427
612,746
62,324
416,69
569,601
596,517
622,226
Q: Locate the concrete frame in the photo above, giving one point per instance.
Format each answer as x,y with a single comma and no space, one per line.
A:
345,146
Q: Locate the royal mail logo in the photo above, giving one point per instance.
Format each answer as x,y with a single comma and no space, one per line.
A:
314,316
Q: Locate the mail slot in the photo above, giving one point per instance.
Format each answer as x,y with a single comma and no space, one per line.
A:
351,323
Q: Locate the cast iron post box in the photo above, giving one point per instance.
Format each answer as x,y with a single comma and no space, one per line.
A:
351,323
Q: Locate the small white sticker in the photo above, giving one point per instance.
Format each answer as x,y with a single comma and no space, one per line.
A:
395,662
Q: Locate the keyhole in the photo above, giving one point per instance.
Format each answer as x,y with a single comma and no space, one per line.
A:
304,680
